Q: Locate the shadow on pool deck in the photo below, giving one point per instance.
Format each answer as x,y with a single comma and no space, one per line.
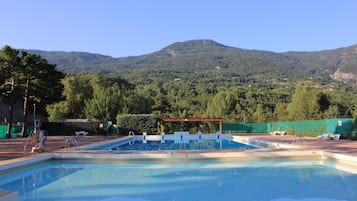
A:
14,148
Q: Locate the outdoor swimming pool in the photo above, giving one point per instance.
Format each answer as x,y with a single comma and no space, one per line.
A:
171,145
170,142
198,180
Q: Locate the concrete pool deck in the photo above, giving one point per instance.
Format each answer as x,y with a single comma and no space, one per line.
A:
347,147
12,155
12,152
14,148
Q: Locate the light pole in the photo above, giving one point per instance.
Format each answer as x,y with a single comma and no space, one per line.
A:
34,118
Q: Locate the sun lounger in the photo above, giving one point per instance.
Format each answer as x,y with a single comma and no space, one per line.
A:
84,133
277,133
323,136
336,136
329,136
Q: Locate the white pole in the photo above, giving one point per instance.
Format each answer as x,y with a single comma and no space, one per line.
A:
34,118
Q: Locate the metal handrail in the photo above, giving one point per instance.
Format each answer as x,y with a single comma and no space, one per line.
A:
25,146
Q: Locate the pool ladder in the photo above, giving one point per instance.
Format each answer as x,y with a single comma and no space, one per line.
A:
37,142
132,134
71,142
26,142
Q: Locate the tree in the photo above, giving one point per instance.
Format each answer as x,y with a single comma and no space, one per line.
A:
297,108
280,112
87,96
137,104
260,114
117,88
222,105
158,95
57,111
304,104
354,111
10,62
77,89
332,112
98,107
27,76
40,81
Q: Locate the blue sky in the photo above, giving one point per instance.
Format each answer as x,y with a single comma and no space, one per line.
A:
135,27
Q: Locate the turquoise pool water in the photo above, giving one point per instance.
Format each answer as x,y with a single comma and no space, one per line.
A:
202,180
171,145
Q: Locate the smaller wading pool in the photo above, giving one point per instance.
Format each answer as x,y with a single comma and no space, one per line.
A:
178,142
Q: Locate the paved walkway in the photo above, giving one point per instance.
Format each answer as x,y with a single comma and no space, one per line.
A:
336,146
13,148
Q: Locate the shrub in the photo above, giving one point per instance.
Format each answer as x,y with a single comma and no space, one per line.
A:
138,123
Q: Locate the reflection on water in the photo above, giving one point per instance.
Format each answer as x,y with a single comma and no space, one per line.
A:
265,180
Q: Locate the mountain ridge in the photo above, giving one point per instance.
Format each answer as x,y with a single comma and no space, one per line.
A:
339,64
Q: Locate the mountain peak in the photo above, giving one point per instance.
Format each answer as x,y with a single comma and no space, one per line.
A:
197,44
192,47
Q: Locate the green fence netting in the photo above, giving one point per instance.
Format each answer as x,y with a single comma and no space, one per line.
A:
340,126
3,130
311,127
243,127
308,127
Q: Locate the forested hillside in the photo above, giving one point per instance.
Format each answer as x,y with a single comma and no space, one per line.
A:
340,64
198,79
207,57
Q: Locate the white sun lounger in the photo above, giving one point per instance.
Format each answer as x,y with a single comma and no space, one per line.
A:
329,136
84,133
277,133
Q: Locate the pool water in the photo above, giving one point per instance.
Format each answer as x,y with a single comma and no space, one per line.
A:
171,145
202,180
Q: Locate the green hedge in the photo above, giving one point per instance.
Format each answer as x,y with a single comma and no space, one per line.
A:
138,123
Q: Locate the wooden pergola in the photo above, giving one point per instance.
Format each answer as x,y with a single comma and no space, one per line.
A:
220,120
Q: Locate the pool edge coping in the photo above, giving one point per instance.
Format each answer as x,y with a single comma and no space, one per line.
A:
172,155
281,150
